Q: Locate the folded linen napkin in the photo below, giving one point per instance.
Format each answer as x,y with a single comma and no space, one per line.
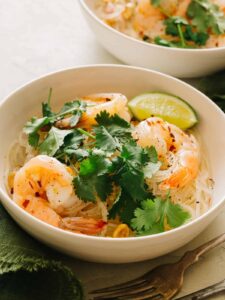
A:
27,270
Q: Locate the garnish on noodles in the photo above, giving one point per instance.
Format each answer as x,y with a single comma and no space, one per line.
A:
91,168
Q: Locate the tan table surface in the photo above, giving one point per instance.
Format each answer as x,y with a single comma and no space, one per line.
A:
40,36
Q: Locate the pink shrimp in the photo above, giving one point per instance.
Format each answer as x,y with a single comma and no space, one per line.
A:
168,138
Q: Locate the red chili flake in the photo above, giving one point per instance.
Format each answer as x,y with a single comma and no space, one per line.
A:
101,223
12,191
37,194
39,183
172,148
25,203
31,185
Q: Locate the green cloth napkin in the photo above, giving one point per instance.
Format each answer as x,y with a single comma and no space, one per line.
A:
27,270
214,87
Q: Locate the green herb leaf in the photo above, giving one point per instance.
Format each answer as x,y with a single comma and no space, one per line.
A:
124,207
132,181
32,127
154,214
155,2
74,108
115,126
93,179
84,188
163,42
128,169
70,146
145,217
53,141
136,155
171,25
104,140
199,38
95,164
46,109
205,15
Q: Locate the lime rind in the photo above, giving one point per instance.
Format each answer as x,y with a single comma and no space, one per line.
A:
166,106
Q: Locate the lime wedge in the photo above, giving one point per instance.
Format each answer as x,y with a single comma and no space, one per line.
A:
168,107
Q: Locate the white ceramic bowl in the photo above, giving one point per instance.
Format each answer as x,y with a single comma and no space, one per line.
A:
173,61
25,102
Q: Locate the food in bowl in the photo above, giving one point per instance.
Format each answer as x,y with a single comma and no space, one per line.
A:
170,23
92,168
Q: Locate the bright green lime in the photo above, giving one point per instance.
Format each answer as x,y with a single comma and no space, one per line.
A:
168,107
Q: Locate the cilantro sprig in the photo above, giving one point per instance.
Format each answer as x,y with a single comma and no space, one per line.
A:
74,109
111,132
203,18
93,180
157,215
206,15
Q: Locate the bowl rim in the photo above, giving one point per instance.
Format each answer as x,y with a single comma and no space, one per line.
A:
60,232
132,39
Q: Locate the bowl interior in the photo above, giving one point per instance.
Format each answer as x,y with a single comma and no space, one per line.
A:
68,84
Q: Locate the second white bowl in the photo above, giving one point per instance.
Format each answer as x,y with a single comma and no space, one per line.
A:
177,62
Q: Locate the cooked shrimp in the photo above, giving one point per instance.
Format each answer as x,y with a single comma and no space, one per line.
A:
147,15
178,151
182,7
216,41
43,188
112,103
83,225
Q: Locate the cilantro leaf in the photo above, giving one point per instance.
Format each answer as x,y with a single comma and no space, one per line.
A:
87,188
104,140
155,2
135,155
95,164
144,217
206,15
84,188
93,179
199,38
32,127
74,108
132,180
70,146
124,207
163,42
128,169
171,25
46,109
155,214
110,131
53,141
153,155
